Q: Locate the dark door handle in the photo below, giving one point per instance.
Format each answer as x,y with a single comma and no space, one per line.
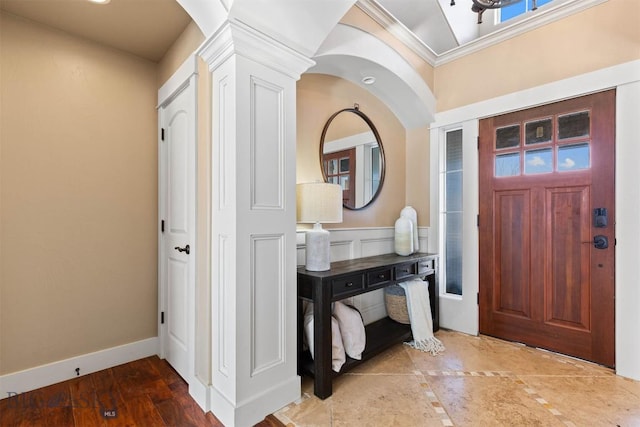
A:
600,242
186,249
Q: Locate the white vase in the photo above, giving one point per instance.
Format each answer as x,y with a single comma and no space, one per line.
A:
409,212
404,236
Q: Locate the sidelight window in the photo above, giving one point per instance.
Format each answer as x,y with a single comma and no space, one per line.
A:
452,214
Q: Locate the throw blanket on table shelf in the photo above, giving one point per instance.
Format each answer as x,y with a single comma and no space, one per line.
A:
419,308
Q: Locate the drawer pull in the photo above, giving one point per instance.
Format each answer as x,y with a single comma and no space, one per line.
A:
349,284
380,276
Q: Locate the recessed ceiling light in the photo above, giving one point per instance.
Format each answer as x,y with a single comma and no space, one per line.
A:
368,80
100,1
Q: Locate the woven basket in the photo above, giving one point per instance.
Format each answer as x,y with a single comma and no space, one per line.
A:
396,303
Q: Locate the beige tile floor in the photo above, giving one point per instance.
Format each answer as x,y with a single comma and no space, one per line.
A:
477,381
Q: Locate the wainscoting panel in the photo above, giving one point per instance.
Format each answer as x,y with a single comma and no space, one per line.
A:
350,243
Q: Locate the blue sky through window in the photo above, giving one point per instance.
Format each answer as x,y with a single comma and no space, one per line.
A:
519,8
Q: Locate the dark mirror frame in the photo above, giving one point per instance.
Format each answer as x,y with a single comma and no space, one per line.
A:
356,110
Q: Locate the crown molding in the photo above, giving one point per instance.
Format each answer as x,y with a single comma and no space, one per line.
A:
397,29
236,37
537,20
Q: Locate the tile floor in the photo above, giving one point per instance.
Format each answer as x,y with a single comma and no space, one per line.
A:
477,381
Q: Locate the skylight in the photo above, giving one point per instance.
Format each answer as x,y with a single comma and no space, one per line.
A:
519,8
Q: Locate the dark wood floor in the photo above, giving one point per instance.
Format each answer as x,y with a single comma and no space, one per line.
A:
147,392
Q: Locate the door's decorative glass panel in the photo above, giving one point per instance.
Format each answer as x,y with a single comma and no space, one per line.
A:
508,164
344,165
538,161
454,152
452,216
453,248
538,132
508,137
573,157
344,182
454,189
574,125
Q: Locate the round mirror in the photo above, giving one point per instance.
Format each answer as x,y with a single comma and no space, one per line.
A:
351,155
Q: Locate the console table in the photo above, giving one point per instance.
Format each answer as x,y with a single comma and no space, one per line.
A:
346,279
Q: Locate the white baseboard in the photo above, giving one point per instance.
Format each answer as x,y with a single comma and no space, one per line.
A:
52,373
249,412
200,393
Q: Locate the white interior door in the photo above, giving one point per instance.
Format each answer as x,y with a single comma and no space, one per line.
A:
177,241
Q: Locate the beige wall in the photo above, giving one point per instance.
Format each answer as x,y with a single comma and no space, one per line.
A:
599,37
417,175
78,201
318,97
179,51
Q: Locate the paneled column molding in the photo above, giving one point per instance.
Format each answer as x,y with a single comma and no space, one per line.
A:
253,262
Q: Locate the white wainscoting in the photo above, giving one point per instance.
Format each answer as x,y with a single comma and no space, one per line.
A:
350,243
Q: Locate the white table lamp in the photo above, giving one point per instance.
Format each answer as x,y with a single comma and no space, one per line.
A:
318,202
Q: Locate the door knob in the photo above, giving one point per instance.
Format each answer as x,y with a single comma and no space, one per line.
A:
186,249
600,242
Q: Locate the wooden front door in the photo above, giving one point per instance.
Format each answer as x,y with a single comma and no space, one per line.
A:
546,177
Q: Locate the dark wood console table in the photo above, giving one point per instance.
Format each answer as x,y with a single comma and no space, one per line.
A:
346,279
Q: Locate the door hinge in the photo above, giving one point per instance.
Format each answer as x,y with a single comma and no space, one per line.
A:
478,143
478,220
162,318
162,226
162,134
478,298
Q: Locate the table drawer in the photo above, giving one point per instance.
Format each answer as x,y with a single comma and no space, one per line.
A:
378,278
426,266
346,285
405,270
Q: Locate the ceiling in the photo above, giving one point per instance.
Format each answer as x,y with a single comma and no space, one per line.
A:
145,28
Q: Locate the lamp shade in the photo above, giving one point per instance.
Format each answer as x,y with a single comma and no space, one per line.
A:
319,202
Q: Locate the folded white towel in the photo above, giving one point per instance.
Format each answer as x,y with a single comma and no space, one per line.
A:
419,308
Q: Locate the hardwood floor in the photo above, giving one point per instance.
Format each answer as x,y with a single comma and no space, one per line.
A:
146,392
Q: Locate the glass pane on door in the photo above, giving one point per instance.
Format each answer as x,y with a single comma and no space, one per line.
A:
573,157
574,125
508,164
538,161
508,137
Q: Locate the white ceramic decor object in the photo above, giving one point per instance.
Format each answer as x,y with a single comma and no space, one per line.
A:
409,212
404,236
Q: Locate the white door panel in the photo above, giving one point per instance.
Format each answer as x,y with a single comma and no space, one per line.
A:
177,209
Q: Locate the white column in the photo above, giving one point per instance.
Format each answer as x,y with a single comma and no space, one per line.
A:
253,220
